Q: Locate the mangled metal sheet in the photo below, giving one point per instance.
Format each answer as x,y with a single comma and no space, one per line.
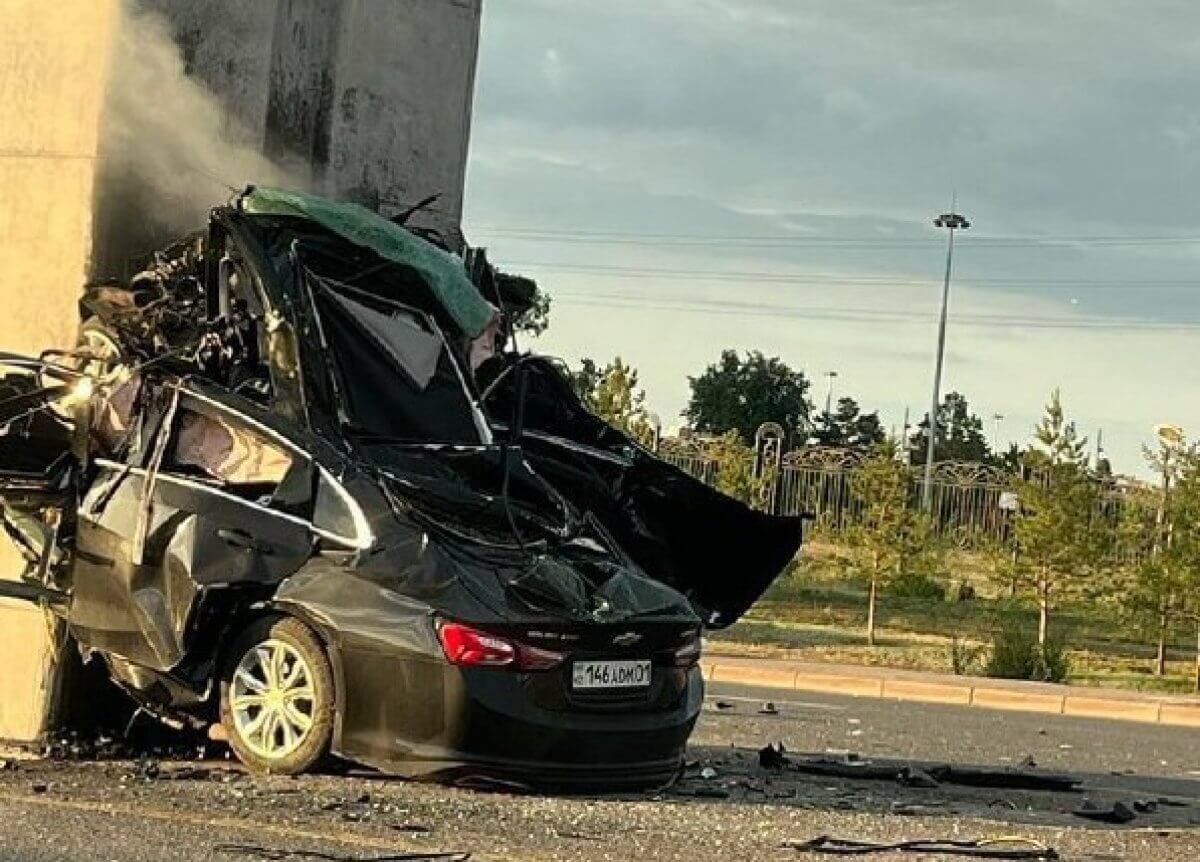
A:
272,493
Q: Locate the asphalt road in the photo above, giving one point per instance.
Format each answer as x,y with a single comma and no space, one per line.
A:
211,811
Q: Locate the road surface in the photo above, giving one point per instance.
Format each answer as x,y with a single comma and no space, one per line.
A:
209,811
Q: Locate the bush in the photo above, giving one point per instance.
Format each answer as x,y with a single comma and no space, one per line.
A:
965,658
916,585
1016,654
1052,663
1012,654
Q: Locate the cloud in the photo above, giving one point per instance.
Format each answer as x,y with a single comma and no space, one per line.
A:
796,117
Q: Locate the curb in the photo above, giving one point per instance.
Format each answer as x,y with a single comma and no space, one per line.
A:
1082,705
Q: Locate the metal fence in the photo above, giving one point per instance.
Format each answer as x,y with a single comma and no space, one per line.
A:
817,481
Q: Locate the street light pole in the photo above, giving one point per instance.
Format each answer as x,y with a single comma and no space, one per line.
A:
951,221
829,393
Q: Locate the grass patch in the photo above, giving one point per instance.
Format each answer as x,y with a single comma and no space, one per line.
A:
817,611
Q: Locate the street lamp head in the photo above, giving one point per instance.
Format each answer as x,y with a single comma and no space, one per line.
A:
1170,435
953,221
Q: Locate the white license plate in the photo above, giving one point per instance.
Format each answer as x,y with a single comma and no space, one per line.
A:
610,674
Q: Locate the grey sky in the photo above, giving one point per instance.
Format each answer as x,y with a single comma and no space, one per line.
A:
816,140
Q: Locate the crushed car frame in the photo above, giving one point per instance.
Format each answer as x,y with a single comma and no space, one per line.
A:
291,481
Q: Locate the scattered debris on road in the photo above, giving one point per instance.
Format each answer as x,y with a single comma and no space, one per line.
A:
933,775
274,855
1117,813
911,776
1000,848
773,756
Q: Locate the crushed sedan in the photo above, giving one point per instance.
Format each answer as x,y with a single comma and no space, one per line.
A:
294,482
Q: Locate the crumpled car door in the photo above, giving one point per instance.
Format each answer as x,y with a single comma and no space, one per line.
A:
219,504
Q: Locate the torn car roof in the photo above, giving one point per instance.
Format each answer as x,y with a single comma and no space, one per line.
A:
442,272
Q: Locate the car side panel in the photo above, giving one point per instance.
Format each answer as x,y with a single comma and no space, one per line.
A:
139,606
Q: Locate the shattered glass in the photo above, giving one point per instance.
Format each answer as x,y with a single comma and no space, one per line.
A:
414,349
554,585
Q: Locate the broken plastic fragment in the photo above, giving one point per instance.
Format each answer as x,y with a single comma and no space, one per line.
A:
772,757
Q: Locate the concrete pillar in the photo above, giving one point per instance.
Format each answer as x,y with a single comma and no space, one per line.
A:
52,71
366,100
403,87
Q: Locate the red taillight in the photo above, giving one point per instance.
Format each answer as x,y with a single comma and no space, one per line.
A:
469,647
536,658
688,654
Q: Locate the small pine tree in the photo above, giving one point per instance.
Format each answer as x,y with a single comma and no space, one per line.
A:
895,539
1175,576
1155,531
735,469
1057,527
613,394
1057,438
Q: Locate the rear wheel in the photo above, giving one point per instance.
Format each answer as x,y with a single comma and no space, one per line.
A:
277,697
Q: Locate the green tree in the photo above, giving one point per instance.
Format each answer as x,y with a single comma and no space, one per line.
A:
894,538
585,380
1150,520
848,426
1060,536
530,303
1185,542
1056,440
959,437
1153,583
735,469
1012,459
736,394
1161,534
536,319
613,394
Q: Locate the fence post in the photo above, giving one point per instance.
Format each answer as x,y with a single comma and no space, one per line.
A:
768,456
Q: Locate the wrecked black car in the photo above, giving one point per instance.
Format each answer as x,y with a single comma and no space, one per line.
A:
291,484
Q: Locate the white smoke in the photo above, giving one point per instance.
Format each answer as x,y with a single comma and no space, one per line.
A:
170,151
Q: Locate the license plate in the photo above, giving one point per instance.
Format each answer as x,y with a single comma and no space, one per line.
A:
610,674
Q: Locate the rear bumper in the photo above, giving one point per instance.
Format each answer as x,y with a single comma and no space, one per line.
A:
468,769
488,728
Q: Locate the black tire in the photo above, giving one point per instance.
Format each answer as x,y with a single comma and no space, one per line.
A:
260,638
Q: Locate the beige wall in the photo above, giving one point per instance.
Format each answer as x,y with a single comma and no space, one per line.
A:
52,61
